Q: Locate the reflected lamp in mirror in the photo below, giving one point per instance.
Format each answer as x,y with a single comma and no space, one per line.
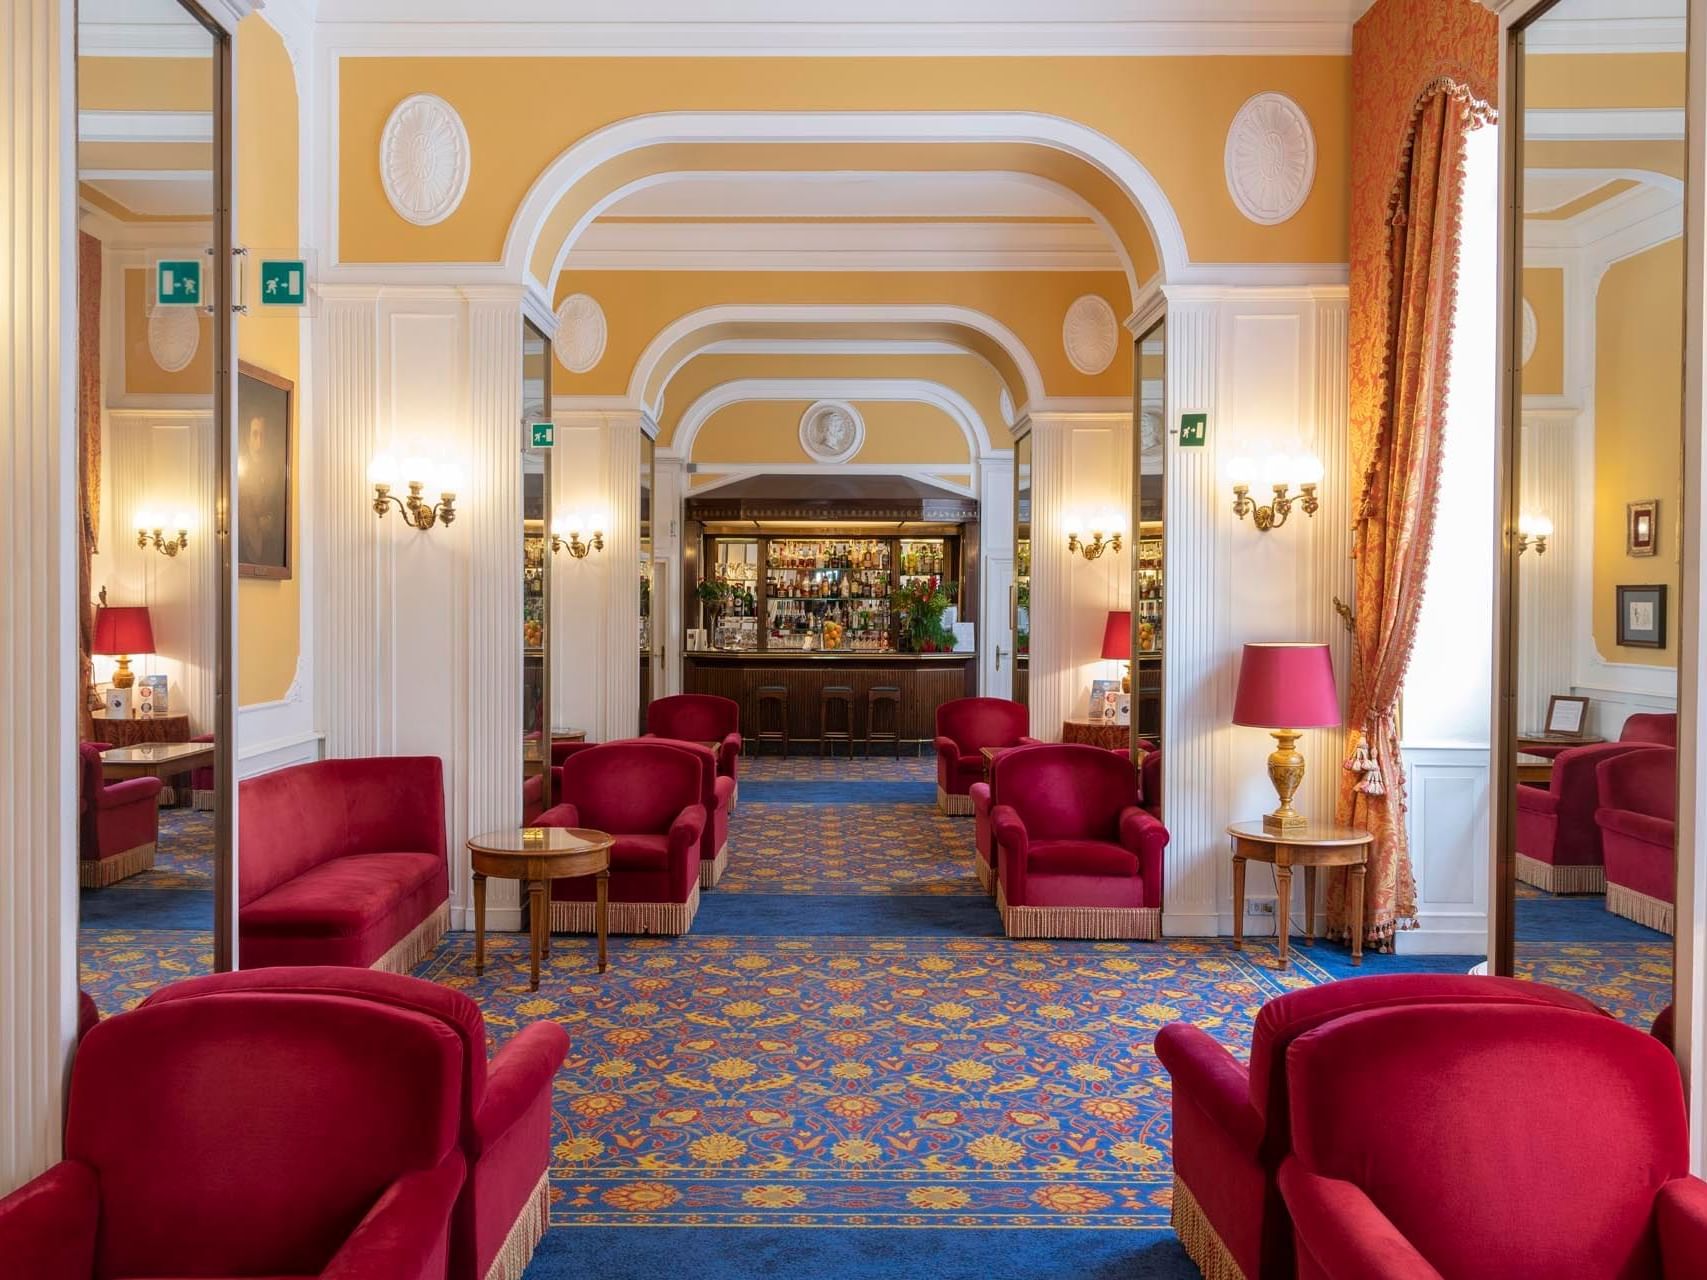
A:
571,534
1105,535
417,475
1117,643
1286,688
1281,474
1533,532
150,532
121,631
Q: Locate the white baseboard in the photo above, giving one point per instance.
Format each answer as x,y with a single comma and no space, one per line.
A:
1190,924
1442,942
264,757
498,919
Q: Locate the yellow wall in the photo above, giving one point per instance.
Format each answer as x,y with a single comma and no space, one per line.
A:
145,84
268,611
897,432
1544,290
1171,113
142,377
1597,80
1638,434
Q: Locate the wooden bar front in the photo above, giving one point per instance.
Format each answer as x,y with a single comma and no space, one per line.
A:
926,681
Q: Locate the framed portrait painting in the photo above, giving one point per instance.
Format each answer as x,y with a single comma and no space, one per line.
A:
1642,616
263,472
1642,537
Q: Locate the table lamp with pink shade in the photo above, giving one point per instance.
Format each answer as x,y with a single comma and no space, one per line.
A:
1117,643
1286,688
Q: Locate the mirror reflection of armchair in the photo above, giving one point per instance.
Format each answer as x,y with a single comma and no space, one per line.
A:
118,824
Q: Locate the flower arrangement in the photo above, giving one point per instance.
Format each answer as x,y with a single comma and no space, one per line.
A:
920,607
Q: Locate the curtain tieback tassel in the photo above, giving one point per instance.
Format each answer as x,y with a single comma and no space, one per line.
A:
1369,773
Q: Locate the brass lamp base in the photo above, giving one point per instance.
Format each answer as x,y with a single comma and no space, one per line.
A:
1286,772
123,677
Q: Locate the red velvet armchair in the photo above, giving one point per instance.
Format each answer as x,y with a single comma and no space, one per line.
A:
1230,1123
504,1119
1558,843
648,794
250,1135
1150,783
963,728
118,824
1076,857
343,863
1637,818
717,796
202,794
702,717
1444,1142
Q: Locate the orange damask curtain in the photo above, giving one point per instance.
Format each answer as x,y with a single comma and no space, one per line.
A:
88,450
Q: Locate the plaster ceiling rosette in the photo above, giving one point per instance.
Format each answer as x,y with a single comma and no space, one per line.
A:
831,431
174,334
1270,158
424,159
581,333
1531,331
1091,334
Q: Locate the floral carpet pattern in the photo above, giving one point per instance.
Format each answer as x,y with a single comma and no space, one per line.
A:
880,768
848,848
183,855
119,968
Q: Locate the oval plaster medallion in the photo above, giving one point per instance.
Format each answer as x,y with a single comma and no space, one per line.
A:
581,333
1530,333
1091,334
174,333
424,159
1270,158
1007,406
831,431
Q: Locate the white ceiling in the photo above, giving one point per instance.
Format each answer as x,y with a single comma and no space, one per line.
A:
155,194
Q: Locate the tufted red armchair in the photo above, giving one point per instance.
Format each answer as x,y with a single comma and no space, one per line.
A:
504,1120
250,1135
1076,857
647,793
702,717
1230,1122
1150,783
963,727
1445,1142
1558,843
1637,818
118,824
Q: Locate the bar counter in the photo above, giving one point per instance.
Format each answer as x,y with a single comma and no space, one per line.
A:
926,680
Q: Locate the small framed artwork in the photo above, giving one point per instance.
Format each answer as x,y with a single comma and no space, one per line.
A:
1642,616
263,472
1566,716
1642,535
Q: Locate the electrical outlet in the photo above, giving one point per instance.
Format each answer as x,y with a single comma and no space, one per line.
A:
1259,906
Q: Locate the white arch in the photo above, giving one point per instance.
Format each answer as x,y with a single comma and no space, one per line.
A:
1024,127
919,390
812,313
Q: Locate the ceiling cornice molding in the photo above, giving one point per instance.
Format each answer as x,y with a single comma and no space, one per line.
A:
1608,124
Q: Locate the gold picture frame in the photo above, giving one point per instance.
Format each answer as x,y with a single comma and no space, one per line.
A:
1642,527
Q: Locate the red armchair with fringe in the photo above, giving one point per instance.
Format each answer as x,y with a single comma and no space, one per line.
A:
1637,818
504,1119
702,717
343,863
717,795
202,793
1230,1122
963,727
647,793
118,824
1558,843
250,1135
1445,1142
1076,857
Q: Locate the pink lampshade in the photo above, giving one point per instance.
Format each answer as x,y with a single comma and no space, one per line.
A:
1117,635
1286,686
122,629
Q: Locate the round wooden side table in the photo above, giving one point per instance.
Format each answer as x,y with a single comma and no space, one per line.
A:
1308,847
536,856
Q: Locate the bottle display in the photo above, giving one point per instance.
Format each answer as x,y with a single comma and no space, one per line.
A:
827,593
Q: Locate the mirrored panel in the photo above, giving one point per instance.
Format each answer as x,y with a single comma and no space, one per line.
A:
1598,341
648,596
1022,570
536,577
1149,458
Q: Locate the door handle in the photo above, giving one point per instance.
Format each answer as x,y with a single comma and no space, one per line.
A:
999,652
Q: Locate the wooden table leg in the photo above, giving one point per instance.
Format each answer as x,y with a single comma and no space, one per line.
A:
1355,888
536,927
1238,902
602,890
1282,905
1310,906
479,923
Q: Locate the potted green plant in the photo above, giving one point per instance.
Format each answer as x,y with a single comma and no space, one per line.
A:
920,607
714,599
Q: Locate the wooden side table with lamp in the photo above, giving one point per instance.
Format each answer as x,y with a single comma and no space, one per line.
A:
1287,688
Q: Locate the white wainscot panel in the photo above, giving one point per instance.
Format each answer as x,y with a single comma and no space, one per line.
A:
1448,825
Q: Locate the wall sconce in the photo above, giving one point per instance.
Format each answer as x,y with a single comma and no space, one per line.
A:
150,532
414,508
1105,536
566,535
1533,531
1281,474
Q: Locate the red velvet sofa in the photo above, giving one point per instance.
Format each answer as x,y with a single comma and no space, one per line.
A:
118,824
1230,1123
963,727
504,1119
647,793
1558,843
1637,818
1445,1142
250,1135
343,863
702,717
1076,855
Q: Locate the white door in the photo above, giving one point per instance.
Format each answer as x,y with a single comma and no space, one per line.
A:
996,665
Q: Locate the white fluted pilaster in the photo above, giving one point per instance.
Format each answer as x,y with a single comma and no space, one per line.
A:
622,604
1550,616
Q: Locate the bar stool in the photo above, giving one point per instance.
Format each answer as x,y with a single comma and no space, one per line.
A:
883,705
773,698
831,697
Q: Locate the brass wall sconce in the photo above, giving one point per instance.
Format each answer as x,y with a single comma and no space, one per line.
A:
1105,536
1533,531
1304,471
150,532
414,509
566,536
